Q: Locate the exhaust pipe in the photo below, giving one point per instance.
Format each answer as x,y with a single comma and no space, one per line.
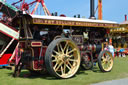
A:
92,9
125,17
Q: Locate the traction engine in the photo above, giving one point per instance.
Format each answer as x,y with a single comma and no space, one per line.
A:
58,45
60,50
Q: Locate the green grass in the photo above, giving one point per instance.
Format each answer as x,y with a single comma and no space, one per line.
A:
120,70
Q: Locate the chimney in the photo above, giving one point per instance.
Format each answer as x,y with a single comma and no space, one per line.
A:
100,9
125,17
92,9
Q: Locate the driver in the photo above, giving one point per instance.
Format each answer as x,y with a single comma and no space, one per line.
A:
36,33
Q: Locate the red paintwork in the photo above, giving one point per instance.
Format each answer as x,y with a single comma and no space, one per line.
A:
62,15
36,44
12,61
17,57
38,63
4,59
24,6
108,31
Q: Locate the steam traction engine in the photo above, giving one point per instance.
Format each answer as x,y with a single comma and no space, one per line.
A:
60,44
54,44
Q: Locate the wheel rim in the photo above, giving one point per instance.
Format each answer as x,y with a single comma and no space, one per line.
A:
107,61
65,59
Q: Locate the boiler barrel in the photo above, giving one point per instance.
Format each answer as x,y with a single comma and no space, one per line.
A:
94,48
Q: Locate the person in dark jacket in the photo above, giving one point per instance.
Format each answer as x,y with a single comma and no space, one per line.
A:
36,33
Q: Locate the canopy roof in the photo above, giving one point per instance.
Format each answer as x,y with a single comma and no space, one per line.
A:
124,23
123,28
70,21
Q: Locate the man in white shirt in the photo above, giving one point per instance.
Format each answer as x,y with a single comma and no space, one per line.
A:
111,49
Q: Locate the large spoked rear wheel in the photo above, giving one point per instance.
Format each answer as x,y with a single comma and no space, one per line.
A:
105,61
62,58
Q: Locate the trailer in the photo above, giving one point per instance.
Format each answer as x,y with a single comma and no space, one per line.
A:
8,34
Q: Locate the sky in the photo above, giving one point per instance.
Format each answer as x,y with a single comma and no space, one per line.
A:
113,10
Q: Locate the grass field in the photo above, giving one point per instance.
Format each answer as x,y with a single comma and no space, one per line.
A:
120,70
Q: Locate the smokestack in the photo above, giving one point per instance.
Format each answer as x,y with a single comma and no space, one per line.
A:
125,17
100,9
92,9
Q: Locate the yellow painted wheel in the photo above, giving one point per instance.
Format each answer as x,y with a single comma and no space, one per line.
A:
62,58
105,61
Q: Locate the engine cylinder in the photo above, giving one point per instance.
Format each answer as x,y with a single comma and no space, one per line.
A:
94,48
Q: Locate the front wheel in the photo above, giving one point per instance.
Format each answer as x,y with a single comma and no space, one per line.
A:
105,61
62,58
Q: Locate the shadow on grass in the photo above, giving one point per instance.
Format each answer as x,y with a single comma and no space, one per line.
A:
97,70
46,76
81,71
27,74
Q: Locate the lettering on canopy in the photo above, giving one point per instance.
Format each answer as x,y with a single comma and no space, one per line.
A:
73,23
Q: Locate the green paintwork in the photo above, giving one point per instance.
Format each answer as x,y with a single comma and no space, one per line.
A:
11,11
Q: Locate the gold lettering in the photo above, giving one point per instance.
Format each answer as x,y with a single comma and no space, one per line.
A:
52,22
49,21
59,22
56,22
46,21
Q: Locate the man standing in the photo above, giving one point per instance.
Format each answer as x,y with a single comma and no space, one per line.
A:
111,48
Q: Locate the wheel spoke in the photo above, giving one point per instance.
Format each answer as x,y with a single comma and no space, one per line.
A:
56,52
68,67
109,62
109,58
65,45
54,56
62,70
72,51
70,64
67,49
62,50
70,56
58,48
54,60
58,66
55,66
107,66
103,63
73,60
